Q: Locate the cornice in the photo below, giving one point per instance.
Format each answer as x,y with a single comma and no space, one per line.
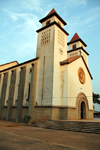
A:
53,23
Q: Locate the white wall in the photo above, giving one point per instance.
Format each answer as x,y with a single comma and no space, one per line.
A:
52,19
51,51
60,41
64,85
45,84
5,66
78,44
73,53
77,53
74,85
27,81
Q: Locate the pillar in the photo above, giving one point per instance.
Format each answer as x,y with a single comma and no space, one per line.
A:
11,95
3,94
20,94
32,98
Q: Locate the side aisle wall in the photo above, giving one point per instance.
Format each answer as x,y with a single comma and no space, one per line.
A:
20,98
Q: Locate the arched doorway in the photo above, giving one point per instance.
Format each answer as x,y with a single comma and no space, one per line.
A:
83,110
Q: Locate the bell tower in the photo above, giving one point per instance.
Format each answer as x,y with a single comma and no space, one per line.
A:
77,47
51,49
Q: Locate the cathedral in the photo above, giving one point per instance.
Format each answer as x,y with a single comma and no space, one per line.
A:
56,85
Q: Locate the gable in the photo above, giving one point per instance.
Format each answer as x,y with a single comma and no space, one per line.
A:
72,60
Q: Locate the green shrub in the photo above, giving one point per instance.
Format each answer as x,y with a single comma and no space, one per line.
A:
26,119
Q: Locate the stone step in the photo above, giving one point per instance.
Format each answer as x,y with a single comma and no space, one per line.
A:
76,126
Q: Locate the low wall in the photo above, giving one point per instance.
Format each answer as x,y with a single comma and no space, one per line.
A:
4,113
50,113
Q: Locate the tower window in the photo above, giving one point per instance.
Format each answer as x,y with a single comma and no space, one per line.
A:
48,22
74,46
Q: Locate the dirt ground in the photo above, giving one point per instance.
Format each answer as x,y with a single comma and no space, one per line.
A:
21,137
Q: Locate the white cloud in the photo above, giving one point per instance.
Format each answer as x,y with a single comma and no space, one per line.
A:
23,36
86,21
94,24
93,17
24,20
78,2
14,17
32,5
82,2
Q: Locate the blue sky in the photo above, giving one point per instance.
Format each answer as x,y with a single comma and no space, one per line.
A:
19,20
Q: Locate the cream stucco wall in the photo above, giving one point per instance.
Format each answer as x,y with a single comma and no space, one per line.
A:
48,80
45,53
58,57
52,19
5,66
77,53
64,85
27,81
73,53
78,44
85,56
74,85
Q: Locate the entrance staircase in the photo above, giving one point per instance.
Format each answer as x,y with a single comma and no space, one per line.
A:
76,126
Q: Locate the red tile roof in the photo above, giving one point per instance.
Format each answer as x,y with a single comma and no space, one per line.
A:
75,37
71,59
52,11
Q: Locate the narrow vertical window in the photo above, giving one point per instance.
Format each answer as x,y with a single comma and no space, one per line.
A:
0,78
28,91
74,46
27,101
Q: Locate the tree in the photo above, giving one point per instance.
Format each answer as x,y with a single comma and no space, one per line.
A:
96,98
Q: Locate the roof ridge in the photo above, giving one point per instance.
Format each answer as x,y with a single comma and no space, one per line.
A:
75,37
52,11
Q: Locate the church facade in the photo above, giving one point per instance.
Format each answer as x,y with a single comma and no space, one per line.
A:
56,85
